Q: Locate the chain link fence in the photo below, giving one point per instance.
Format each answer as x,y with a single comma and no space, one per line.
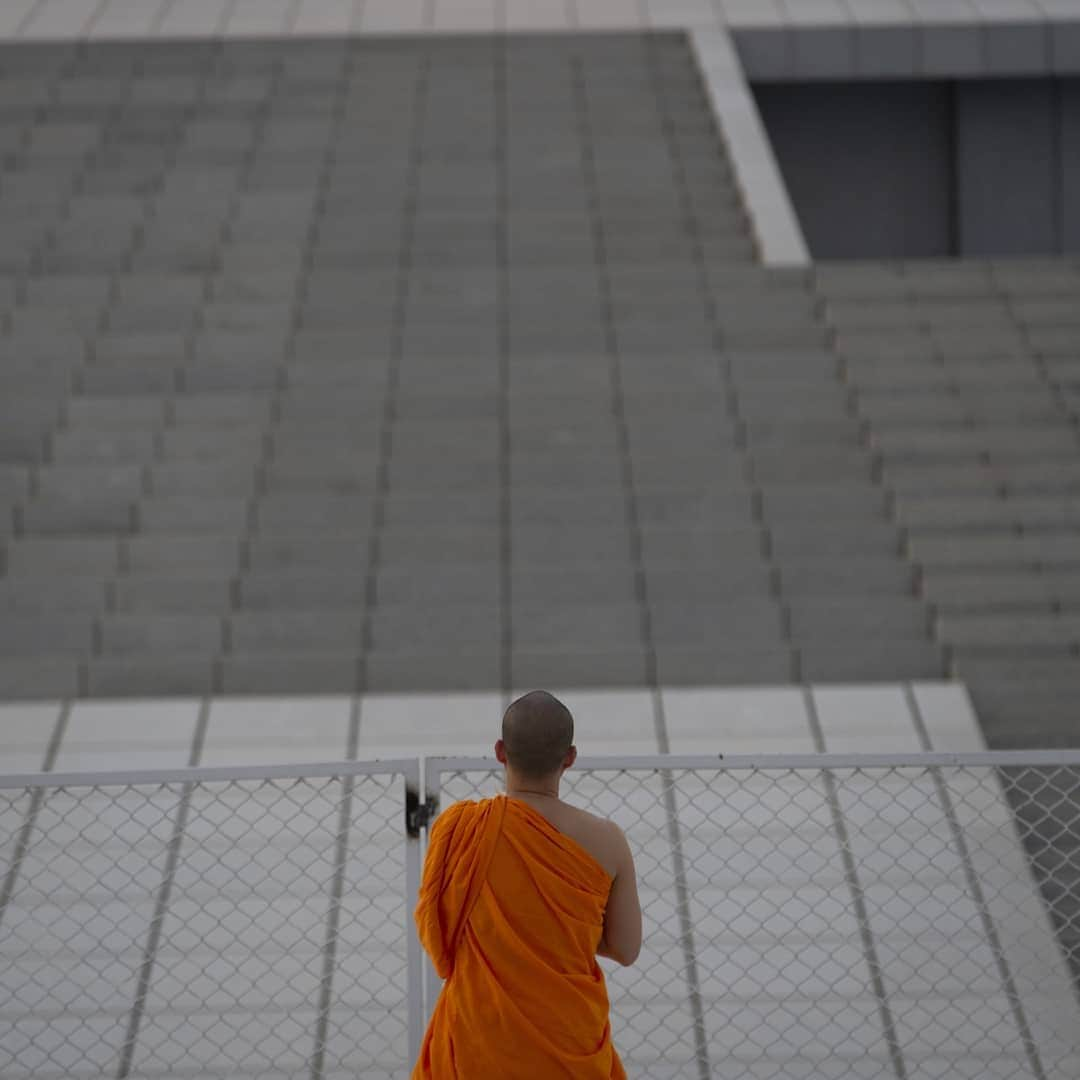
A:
239,923
820,916
837,916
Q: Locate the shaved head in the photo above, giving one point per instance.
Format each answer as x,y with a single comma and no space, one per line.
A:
537,731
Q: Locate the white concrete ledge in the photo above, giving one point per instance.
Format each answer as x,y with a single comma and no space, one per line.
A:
776,228
787,38
175,733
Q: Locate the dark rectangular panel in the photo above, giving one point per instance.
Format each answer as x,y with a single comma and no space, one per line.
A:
867,165
1006,167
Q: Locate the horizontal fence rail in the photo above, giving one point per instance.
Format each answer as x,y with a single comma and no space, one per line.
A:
805,916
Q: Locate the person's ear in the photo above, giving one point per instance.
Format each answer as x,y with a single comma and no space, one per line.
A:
500,751
571,757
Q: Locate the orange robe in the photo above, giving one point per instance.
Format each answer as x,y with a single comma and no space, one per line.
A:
511,911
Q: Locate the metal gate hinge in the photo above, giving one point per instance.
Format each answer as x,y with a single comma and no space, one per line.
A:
418,815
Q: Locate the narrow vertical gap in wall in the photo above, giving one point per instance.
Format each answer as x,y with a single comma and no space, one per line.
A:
953,157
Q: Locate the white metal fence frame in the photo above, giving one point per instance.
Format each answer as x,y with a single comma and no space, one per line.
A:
428,781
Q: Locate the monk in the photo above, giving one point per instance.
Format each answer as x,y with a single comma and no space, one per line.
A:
520,894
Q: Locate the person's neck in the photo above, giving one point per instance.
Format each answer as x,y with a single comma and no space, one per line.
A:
544,789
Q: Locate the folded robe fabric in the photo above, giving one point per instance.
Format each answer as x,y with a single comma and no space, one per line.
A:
511,911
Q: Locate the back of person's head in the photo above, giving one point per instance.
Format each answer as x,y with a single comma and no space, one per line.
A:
537,731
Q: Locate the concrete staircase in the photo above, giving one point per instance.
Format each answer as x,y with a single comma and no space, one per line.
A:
414,365
968,377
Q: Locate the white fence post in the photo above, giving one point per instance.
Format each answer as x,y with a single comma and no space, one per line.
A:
414,961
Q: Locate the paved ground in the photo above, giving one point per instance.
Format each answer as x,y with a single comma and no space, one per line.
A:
862,925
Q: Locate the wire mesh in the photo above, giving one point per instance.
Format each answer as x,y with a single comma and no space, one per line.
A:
215,928
832,918
895,921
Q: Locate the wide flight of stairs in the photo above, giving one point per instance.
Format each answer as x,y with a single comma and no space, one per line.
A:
414,365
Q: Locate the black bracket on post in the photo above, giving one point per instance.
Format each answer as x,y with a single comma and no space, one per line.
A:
418,815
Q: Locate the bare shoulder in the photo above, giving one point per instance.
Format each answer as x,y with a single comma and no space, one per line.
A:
600,836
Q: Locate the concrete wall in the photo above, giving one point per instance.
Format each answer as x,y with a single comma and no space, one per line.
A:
930,168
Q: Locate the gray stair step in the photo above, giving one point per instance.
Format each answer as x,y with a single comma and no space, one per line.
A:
939,513
179,554
209,410
608,626
781,466
180,594
45,557
218,515
734,665
816,537
822,618
700,549
1000,591
23,443
1018,671
296,512
446,545
40,677
940,551
850,503
703,471
474,626
450,583
1018,726
158,675
720,586
456,666
533,587
764,401
476,511
317,588
344,551
815,434
757,621
1025,700
909,412
858,659
130,377
167,480
855,575
291,673
1007,444
88,481
1054,476
82,446
211,443
334,631
318,437
781,366
1011,632
31,635
14,482
91,513
140,634
343,474
42,596
597,667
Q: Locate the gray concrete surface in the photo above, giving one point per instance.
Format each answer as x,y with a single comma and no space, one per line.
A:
408,364
965,374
